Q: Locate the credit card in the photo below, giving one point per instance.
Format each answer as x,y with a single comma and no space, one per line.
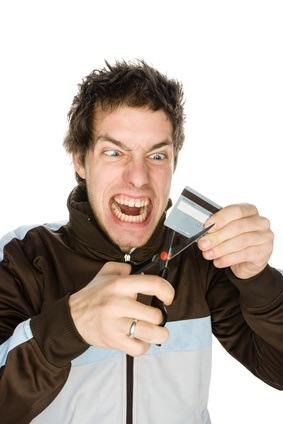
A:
190,212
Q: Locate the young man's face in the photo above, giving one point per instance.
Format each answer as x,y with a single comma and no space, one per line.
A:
128,173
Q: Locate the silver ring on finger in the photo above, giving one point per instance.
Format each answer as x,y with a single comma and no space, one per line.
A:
132,329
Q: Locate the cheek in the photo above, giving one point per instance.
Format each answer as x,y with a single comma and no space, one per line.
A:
94,175
99,181
164,183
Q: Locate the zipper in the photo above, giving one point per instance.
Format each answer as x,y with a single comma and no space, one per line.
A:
130,389
130,369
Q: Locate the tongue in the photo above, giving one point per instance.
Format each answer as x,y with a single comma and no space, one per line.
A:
127,210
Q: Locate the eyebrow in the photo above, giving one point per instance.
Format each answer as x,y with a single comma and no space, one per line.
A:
124,147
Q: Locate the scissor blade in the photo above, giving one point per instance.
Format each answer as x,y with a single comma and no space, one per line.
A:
182,246
144,266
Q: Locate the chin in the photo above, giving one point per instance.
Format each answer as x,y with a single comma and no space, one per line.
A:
128,243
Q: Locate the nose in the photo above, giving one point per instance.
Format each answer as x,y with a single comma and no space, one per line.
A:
136,172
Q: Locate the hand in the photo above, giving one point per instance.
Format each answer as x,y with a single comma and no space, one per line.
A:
104,310
240,239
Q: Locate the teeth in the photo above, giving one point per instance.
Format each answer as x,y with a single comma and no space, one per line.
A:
137,203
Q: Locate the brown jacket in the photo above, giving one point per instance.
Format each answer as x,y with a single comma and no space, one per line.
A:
41,348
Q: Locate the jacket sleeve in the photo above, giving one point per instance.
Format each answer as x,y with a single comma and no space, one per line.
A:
247,319
37,343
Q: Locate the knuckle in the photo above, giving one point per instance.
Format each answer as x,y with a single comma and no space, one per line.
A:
238,226
165,334
159,283
241,209
271,234
111,301
247,209
265,223
156,316
171,296
117,284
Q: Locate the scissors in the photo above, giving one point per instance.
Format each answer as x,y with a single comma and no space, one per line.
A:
162,260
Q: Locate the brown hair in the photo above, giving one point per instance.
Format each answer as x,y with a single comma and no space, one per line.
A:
135,84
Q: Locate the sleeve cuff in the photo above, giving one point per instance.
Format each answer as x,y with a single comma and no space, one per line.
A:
56,334
260,291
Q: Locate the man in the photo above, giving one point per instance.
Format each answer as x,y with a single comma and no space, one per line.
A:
81,341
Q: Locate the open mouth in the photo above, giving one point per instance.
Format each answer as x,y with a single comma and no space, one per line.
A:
129,209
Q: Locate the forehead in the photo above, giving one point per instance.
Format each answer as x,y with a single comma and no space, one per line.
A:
129,124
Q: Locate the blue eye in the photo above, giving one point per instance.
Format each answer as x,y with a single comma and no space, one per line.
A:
112,152
158,156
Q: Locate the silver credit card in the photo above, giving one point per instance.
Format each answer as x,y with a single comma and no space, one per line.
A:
190,212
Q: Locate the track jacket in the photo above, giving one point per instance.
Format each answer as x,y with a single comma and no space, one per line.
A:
50,375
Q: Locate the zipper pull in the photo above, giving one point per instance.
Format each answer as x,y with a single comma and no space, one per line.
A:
127,256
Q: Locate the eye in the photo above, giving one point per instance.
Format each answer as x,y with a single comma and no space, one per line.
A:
112,153
158,156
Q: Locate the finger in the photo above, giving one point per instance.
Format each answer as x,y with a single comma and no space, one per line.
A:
131,285
230,213
254,226
129,308
241,256
134,341
148,333
138,342
151,285
133,347
238,248
121,340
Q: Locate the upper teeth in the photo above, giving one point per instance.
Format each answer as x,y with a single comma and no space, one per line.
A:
138,203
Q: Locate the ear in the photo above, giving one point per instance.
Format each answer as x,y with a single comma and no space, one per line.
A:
79,167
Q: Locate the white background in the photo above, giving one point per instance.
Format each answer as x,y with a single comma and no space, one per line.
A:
228,54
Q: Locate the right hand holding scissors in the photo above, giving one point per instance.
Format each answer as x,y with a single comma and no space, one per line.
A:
107,314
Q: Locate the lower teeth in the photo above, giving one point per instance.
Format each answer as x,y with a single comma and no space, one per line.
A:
129,218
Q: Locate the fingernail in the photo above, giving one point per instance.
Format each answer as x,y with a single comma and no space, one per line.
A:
209,254
205,243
